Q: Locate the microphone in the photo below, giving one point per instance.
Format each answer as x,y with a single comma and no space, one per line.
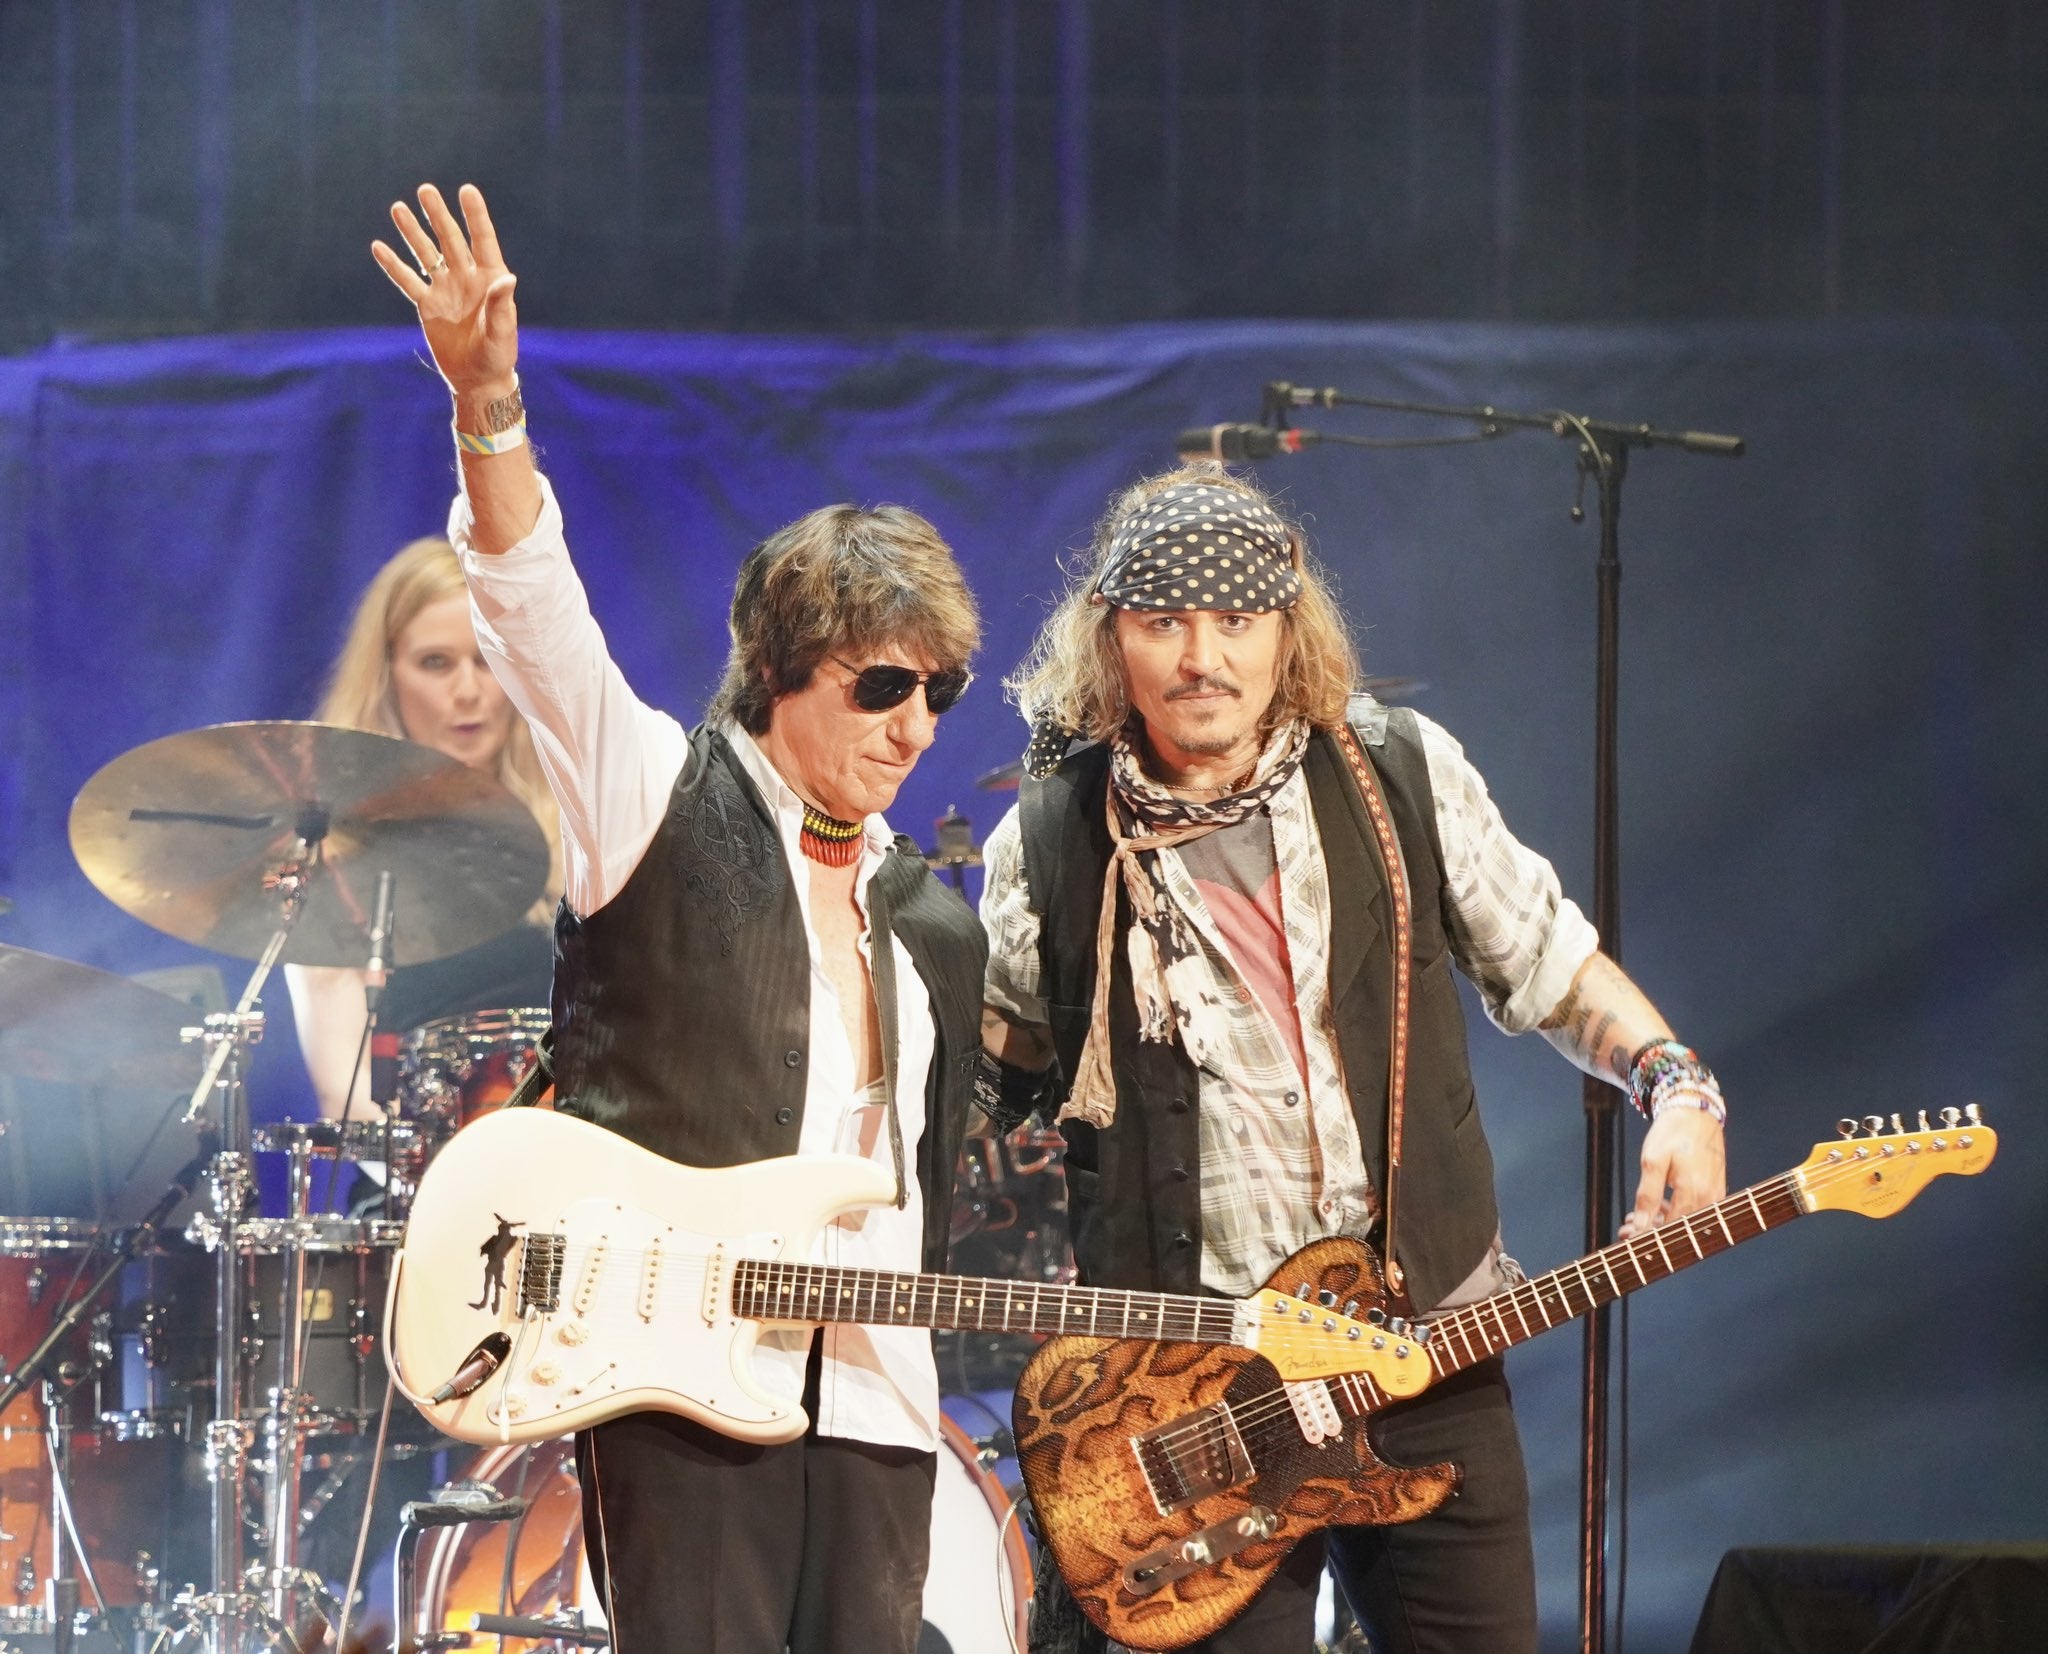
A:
380,940
1241,442
483,1361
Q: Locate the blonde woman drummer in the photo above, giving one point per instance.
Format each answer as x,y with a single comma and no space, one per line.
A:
410,667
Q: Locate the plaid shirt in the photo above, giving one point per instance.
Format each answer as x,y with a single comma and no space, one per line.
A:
1281,1162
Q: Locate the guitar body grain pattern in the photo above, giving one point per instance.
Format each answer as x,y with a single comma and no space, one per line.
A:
1081,1402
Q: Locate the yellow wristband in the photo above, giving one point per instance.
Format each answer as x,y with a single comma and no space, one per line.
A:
500,443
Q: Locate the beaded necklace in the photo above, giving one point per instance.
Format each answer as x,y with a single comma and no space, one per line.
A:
829,840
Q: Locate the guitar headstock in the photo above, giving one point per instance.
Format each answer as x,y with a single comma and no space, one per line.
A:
1305,1338
1880,1165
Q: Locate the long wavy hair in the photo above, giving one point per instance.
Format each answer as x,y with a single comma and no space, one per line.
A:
359,693
1074,674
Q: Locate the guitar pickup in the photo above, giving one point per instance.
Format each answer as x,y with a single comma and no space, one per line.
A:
1315,1410
1203,1549
1196,1455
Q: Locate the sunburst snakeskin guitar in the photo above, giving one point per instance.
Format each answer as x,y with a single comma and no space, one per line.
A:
554,1275
1171,1479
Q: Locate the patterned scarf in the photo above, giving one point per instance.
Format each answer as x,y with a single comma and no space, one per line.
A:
1144,815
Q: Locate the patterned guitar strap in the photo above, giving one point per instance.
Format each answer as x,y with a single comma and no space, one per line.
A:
1403,940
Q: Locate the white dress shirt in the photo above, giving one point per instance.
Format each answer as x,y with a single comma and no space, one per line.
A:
612,762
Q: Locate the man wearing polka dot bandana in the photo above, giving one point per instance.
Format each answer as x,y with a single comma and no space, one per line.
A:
1200,965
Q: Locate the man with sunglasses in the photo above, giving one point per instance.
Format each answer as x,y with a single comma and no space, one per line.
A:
748,964
1221,932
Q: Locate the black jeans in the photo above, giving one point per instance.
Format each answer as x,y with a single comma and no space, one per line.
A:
1460,1581
702,1544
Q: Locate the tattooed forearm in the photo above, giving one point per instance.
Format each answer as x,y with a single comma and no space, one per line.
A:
1603,1020
1567,1007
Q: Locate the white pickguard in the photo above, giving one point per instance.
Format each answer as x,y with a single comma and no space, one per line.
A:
640,1314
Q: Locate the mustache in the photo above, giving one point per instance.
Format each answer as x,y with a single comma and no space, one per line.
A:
1203,686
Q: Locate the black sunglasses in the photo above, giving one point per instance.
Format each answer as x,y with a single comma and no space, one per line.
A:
878,688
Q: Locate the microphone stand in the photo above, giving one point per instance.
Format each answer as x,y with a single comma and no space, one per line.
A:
1603,452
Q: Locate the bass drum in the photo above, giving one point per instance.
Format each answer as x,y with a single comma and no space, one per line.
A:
976,1597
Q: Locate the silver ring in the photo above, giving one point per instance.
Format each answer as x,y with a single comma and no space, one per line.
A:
430,271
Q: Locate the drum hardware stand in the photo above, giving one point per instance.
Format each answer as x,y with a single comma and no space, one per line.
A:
955,850
461,1502
230,1608
62,1586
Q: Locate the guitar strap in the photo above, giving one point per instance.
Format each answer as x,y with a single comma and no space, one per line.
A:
1402,938
539,1078
882,970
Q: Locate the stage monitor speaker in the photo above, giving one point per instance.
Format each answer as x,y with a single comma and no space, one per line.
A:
1877,1599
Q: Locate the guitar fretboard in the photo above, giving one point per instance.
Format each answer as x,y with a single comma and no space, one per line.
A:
1495,1323
774,1291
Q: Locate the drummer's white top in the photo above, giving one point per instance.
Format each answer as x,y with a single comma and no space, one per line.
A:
612,762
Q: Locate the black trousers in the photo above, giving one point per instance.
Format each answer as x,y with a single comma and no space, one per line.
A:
706,1545
1459,1581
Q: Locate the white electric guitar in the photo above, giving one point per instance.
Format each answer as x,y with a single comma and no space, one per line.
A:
554,1275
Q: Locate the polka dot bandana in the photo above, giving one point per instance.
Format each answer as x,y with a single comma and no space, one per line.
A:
1048,745
1202,545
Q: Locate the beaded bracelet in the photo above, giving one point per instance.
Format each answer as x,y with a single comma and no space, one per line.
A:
1679,1092
1666,1071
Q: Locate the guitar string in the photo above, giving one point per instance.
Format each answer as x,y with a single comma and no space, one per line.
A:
1271,1407
1277,1407
969,1300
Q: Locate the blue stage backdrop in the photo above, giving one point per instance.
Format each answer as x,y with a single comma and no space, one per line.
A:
1833,775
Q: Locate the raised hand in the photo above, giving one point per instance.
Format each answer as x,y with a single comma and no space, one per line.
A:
461,289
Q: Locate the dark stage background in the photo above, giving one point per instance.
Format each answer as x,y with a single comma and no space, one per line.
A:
1833,788
1815,224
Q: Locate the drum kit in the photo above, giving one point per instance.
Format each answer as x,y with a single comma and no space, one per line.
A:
178,1405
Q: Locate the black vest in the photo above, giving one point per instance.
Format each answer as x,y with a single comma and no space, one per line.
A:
1134,1189
682,1006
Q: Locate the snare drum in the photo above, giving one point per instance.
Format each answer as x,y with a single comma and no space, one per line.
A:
452,1070
977,1591
399,1145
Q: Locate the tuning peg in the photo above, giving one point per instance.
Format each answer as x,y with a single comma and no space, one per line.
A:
1327,1299
1924,1126
1951,1118
1397,1326
1897,1126
1302,1292
1846,1126
1873,1123
1378,1317
1973,1114
1351,1309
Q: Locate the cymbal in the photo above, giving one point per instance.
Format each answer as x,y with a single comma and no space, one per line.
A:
183,833
60,1020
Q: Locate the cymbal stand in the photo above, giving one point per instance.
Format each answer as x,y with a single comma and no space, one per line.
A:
228,1611
66,1548
284,1421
